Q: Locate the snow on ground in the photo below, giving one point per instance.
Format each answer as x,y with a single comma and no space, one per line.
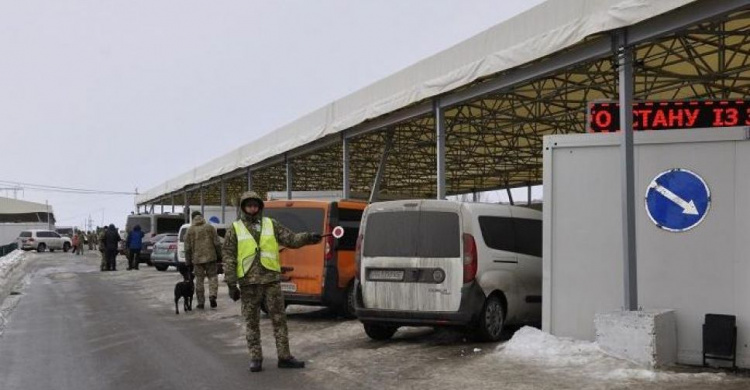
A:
532,346
12,271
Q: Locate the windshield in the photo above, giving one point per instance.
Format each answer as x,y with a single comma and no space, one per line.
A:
298,220
412,234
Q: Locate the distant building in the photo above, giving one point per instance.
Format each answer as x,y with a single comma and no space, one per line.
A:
18,215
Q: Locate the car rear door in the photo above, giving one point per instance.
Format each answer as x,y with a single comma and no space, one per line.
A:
306,263
411,257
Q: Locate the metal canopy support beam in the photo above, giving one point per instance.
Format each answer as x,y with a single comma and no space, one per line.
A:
345,179
162,207
223,199
439,113
203,208
390,119
249,179
381,167
510,196
173,203
185,206
625,68
288,178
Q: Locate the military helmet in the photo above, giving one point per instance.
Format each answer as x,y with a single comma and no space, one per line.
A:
250,195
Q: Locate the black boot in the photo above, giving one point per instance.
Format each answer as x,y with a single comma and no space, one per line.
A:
256,365
291,363
212,301
199,306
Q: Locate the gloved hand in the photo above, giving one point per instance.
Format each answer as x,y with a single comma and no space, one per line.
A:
315,238
234,292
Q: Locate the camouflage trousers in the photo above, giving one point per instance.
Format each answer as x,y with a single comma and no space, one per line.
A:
103,265
252,295
202,271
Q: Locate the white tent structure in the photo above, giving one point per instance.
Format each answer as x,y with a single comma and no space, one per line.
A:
472,117
17,215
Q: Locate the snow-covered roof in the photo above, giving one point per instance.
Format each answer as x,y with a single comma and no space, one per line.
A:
550,27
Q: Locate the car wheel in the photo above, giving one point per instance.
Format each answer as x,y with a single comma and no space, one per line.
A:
347,309
161,267
492,319
51,250
41,248
66,247
380,332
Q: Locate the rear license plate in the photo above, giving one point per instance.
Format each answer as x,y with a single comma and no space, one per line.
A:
386,275
288,287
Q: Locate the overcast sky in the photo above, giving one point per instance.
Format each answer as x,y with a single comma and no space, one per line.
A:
118,95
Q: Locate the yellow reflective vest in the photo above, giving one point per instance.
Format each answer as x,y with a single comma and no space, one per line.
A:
247,247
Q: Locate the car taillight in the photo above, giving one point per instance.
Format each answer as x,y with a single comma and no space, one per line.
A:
470,258
329,246
358,256
173,246
30,239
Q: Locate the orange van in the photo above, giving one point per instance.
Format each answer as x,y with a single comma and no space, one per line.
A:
321,274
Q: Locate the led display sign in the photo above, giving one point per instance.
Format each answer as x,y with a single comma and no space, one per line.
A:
604,117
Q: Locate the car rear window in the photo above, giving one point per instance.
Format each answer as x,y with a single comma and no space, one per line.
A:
25,234
298,220
412,234
168,239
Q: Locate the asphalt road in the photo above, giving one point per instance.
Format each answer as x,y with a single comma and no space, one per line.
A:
74,329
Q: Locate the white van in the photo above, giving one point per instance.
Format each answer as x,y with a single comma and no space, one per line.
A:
447,263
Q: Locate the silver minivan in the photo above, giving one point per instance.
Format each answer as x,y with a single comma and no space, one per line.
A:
448,263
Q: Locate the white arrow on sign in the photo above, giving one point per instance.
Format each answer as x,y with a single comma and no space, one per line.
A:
687,207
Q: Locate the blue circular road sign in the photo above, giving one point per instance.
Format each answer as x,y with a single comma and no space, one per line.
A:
677,200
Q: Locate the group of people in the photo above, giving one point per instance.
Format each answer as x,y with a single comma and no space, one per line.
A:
80,239
108,240
250,253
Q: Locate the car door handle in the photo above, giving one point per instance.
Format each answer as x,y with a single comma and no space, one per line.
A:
505,260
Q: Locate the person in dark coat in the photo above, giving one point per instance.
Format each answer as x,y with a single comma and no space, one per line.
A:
111,239
135,243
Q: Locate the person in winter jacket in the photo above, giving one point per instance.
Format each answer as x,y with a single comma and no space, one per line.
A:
202,250
251,256
111,239
134,241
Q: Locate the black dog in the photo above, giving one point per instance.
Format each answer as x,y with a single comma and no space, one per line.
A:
184,290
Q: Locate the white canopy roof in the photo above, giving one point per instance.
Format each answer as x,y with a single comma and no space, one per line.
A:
15,206
543,30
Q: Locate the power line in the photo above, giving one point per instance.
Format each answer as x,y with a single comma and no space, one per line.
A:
67,190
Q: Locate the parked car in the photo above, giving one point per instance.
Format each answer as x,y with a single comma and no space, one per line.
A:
148,246
42,240
320,274
446,263
221,230
164,253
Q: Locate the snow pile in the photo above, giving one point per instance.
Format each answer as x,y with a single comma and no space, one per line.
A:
11,271
534,345
565,356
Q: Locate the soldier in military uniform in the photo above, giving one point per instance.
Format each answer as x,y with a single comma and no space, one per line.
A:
202,250
251,256
100,240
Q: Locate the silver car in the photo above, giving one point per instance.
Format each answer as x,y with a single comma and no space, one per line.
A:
42,240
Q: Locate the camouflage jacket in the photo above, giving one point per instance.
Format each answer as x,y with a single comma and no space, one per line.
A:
201,242
257,273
